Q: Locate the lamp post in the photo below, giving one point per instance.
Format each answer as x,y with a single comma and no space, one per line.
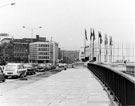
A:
5,34
32,29
7,5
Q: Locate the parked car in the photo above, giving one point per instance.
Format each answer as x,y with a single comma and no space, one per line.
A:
41,68
63,65
2,77
14,70
30,69
53,67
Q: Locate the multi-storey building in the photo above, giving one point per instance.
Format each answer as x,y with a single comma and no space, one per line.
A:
54,52
29,49
43,52
20,50
39,52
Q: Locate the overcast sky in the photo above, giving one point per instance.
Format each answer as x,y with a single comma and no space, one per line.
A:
66,20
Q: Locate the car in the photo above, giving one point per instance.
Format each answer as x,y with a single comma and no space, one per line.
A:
14,70
2,77
63,65
41,68
30,69
53,67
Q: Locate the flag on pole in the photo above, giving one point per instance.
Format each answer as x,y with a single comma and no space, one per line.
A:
100,36
93,33
86,34
106,40
110,40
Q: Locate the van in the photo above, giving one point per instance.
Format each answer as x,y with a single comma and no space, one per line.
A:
14,70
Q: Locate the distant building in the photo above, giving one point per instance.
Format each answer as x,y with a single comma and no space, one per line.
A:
6,40
20,50
39,52
54,52
37,39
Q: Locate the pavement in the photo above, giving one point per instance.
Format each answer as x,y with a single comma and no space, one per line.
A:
71,87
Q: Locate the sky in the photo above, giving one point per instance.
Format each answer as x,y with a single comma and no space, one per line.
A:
66,20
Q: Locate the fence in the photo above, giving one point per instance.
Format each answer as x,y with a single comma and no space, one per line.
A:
119,84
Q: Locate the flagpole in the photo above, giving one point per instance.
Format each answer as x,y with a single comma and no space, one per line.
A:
85,38
93,42
84,47
98,49
90,51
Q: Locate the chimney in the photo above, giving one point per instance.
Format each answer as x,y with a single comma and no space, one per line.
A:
37,37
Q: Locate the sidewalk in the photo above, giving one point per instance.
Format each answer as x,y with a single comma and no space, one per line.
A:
73,87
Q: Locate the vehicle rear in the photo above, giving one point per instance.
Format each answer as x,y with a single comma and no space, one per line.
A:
30,69
14,69
41,68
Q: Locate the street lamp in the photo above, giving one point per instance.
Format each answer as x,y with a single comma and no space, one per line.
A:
7,5
32,29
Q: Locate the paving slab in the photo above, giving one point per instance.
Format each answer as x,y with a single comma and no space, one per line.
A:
71,87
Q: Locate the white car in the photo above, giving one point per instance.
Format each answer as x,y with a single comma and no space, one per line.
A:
63,65
14,70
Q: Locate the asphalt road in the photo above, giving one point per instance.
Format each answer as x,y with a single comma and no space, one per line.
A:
14,83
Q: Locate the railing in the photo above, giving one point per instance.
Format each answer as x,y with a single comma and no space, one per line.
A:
120,85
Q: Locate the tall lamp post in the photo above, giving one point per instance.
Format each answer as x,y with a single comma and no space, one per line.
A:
7,5
32,29
4,34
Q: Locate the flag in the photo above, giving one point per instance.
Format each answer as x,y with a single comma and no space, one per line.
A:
100,36
110,40
106,40
93,35
86,34
12,38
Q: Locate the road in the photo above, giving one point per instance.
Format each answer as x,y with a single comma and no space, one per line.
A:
12,84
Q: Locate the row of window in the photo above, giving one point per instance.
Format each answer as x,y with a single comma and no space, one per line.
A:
43,45
43,49
20,55
20,49
43,57
43,53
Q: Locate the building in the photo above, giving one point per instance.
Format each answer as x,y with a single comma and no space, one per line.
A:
54,52
36,50
39,52
43,52
37,39
20,50
88,53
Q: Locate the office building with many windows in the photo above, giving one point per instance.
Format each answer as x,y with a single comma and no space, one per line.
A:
39,52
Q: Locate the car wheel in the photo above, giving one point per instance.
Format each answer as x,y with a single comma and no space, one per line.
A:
3,80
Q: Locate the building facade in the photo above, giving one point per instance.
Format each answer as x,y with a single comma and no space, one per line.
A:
39,52
54,52
20,50
36,50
